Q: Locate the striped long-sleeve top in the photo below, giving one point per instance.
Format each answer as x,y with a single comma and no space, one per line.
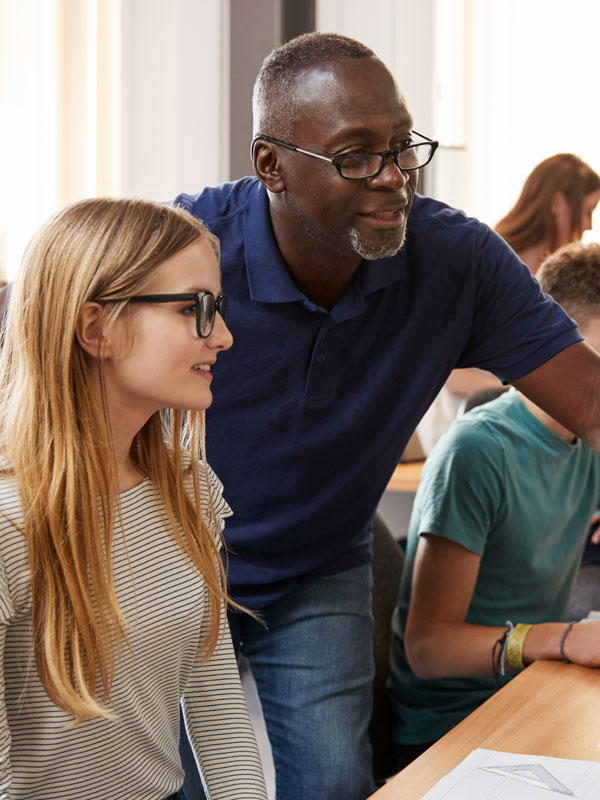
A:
165,605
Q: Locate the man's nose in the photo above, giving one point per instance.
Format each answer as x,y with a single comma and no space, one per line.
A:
391,176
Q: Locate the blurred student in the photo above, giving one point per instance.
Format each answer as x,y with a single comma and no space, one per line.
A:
495,541
112,609
554,208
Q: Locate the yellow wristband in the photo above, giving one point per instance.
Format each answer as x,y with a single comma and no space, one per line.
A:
514,646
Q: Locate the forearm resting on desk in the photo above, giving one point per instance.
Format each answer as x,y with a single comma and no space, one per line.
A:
451,650
460,650
438,641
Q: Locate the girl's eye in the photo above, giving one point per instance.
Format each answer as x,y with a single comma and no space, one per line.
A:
189,311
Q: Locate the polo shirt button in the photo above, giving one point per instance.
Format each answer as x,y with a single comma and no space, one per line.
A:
321,358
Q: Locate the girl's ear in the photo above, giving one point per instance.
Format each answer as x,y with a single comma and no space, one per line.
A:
89,331
559,203
563,218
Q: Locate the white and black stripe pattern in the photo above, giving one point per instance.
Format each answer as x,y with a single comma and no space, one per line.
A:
136,755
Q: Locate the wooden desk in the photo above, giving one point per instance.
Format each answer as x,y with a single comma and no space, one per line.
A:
406,477
550,709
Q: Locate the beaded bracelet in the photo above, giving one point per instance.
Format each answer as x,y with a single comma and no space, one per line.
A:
561,644
511,628
498,653
514,646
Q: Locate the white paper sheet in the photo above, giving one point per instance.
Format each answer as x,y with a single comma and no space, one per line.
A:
494,775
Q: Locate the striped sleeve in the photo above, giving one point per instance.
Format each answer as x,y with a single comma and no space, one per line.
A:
219,727
219,504
6,612
214,708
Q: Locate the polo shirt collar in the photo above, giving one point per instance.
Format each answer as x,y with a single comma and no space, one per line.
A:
268,278
376,275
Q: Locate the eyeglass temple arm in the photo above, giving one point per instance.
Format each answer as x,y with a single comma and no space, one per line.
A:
164,298
291,147
422,135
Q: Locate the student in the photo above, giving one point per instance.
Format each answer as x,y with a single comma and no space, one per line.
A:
111,601
554,208
496,535
352,299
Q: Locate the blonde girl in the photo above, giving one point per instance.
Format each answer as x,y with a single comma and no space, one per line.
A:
112,609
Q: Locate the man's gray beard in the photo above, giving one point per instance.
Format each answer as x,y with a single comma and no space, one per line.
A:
388,240
384,249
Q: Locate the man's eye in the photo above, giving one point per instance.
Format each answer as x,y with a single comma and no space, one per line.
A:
189,311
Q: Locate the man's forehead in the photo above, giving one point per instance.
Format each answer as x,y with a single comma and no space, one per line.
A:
347,76
353,95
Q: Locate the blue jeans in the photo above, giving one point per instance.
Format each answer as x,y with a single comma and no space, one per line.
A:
313,668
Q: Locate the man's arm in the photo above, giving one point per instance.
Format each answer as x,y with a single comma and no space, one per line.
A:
568,388
438,641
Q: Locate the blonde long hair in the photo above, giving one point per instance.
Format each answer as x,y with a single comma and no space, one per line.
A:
55,437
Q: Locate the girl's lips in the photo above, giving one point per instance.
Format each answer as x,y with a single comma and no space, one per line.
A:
203,370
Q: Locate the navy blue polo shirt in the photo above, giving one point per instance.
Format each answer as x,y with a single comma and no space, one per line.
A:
312,408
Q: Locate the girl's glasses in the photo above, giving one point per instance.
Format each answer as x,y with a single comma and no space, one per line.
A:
206,304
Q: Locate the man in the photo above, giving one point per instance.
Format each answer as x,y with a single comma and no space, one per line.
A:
497,531
351,300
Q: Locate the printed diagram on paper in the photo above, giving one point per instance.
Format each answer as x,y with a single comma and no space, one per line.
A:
492,775
532,774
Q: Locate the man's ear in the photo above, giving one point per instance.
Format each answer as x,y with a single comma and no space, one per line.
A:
267,166
89,331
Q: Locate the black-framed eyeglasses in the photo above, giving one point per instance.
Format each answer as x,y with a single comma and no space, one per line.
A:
206,305
357,166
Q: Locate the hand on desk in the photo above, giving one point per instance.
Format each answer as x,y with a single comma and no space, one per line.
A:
581,645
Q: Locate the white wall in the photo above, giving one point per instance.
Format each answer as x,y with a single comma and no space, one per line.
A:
400,32
107,97
532,93
175,96
28,171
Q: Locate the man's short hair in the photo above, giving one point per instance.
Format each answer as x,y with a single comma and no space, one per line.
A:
571,275
275,101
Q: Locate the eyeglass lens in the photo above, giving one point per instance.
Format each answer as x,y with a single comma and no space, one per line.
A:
367,164
206,311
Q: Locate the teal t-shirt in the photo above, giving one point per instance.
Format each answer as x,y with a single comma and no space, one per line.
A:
501,484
